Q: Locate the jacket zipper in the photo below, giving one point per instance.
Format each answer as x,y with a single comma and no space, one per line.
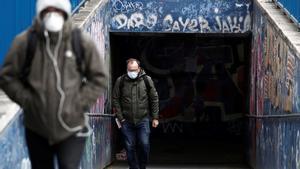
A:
53,58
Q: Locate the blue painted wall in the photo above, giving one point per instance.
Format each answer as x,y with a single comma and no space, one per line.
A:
15,15
13,147
204,16
98,149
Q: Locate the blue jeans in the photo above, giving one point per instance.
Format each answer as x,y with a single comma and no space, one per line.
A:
137,144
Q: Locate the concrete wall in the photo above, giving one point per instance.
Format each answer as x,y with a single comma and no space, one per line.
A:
205,16
275,89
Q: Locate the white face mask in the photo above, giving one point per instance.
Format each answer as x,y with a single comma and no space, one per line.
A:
132,75
54,21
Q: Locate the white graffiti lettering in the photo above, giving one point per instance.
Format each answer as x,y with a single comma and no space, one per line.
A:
204,25
235,24
127,6
232,24
121,20
136,20
192,25
172,127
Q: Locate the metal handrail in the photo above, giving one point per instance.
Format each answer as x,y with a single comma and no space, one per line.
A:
101,115
76,4
292,115
291,8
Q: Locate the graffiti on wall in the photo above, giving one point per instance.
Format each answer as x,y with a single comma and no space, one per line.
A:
99,145
13,148
198,80
203,16
277,144
274,84
274,142
256,98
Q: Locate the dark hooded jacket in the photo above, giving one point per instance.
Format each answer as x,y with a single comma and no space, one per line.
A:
134,103
55,93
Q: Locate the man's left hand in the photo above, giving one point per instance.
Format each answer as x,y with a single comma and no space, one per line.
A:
155,123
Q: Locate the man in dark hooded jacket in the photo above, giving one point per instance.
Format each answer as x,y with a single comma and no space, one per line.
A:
54,97
134,99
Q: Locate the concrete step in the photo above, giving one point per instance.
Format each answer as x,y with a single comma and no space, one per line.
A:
165,166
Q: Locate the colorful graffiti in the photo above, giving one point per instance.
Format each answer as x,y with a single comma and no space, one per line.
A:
99,147
274,69
273,142
203,16
256,98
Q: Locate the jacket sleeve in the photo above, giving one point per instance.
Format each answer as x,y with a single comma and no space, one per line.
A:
154,100
116,100
96,74
10,72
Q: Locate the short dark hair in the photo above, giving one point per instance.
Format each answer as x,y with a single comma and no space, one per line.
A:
133,60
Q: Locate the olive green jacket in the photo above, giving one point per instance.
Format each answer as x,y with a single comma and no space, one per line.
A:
132,103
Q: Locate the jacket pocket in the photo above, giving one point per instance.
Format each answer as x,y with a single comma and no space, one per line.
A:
72,78
73,113
34,109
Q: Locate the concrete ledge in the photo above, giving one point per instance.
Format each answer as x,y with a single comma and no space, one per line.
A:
282,24
87,12
8,110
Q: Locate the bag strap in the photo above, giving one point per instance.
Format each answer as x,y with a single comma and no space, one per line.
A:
78,50
30,51
121,85
32,45
148,87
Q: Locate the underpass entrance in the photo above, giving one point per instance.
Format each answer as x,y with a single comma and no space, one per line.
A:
202,81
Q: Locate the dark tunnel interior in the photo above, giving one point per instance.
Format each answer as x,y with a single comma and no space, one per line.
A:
202,82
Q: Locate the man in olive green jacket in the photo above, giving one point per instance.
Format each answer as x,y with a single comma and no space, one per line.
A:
54,97
134,99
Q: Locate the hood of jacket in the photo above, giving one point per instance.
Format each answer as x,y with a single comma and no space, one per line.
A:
142,73
63,5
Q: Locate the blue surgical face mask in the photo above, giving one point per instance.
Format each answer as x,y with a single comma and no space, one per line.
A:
132,75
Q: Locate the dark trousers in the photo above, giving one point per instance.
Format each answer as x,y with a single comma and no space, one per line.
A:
41,154
137,144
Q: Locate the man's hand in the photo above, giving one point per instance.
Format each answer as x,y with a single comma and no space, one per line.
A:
155,123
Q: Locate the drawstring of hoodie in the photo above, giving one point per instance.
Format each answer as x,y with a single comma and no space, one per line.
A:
53,58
